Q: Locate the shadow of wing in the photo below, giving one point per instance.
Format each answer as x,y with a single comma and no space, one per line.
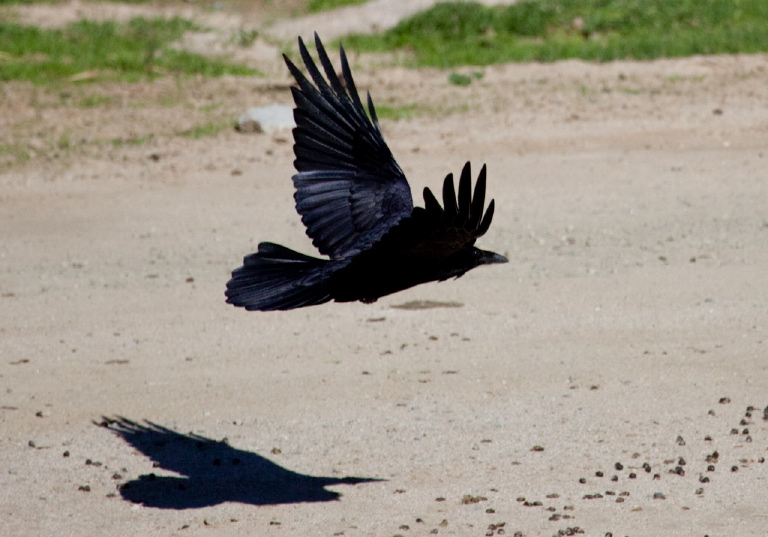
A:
213,472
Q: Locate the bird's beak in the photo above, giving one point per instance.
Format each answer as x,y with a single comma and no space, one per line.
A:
490,258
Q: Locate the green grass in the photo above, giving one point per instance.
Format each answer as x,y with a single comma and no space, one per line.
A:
206,130
458,79
408,111
315,6
467,33
14,152
132,51
94,101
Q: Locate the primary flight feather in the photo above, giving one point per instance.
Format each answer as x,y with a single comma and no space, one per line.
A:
356,204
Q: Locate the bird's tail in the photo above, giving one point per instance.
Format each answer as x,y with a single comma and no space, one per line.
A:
277,278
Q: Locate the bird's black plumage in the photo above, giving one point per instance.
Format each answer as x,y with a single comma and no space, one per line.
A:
356,204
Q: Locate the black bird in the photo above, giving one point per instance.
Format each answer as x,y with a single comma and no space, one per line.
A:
356,204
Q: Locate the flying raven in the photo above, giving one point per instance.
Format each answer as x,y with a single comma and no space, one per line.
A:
356,204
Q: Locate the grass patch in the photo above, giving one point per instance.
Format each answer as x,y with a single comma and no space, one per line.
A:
206,130
131,142
397,112
468,33
13,153
458,79
88,50
94,101
675,79
245,37
408,111
315,6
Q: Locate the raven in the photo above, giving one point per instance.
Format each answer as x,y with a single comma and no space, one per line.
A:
356,204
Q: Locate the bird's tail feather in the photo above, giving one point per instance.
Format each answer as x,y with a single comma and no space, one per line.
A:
278,278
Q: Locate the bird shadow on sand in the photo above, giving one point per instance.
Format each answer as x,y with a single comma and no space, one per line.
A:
213,472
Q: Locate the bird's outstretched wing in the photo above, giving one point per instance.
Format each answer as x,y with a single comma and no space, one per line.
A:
437,232
349,189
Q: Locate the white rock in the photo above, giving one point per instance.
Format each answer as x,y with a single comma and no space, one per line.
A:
267,119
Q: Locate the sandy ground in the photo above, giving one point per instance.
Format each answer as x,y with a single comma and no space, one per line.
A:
599,383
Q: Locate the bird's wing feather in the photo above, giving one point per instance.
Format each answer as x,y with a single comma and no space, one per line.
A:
435,231
349,189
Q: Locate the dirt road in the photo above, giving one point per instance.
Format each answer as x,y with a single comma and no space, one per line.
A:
585,386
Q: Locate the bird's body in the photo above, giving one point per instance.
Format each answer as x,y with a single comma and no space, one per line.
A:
356,204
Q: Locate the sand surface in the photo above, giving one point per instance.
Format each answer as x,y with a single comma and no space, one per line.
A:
630,326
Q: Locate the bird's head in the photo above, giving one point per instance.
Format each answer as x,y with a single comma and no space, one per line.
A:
484,257
467,259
